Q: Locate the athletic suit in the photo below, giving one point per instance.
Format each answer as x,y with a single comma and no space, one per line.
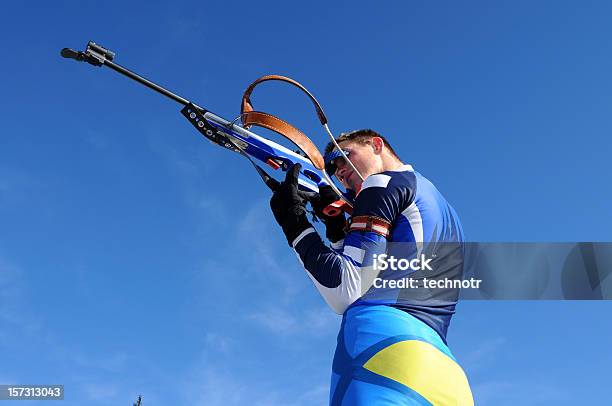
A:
392,344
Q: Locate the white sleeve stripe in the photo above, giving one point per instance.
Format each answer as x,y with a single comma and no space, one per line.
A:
415,220
302,235
337,245
378,180
356,254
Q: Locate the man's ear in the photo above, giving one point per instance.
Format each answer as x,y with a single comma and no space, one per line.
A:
377,144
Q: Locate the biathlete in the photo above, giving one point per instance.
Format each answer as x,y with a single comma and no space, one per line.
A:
392,346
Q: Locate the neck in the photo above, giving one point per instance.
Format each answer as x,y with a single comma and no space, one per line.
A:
391,163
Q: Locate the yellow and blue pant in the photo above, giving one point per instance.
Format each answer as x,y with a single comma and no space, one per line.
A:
387,357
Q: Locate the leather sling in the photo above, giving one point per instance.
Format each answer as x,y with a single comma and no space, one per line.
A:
250,117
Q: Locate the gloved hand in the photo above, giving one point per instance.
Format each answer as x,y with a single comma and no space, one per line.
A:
334,226
288,205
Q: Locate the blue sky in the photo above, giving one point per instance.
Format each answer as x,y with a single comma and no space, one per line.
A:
135,257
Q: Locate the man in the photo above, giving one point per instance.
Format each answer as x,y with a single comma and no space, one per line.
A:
392,344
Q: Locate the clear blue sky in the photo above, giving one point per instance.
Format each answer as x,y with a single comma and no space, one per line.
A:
135,257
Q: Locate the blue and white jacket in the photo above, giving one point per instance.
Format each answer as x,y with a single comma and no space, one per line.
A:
419,220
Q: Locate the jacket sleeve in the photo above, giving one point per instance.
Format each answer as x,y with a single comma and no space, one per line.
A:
340,272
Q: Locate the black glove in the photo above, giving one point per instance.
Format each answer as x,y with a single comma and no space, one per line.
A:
288,205
334,226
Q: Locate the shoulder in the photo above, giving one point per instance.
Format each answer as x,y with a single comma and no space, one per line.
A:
404,178
387,193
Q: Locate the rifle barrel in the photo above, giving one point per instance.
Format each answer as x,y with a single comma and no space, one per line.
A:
151,85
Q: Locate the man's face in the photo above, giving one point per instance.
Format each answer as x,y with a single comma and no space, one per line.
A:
365,157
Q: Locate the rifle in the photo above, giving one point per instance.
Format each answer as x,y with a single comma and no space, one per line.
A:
238,138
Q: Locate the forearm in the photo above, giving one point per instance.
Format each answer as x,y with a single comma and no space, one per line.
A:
337,274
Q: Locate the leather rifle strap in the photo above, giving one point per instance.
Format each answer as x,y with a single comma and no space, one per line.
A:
288,131
246,97
250,117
